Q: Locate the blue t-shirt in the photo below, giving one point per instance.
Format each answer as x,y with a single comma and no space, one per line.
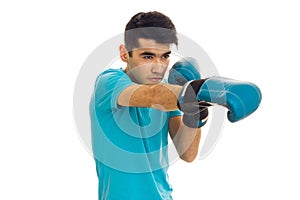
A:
129,143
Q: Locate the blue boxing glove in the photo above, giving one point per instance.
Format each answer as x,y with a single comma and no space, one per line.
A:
184,70
194,113
240,98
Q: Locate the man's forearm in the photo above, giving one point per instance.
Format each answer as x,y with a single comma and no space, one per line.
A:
185,139
159,96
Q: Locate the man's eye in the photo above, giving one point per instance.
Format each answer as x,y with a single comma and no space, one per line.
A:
148,57
166,56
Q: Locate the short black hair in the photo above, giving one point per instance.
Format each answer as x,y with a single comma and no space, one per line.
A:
150,25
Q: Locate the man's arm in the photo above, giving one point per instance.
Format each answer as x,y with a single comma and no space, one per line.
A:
164,97
160,96
185,139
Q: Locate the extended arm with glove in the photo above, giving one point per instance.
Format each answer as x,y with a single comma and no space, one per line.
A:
239,97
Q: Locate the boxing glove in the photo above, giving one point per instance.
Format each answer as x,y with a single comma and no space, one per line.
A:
184,70
194,113
240,98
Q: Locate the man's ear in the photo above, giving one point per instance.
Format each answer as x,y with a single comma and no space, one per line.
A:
123,53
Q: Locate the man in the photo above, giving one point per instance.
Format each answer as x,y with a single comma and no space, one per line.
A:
133,110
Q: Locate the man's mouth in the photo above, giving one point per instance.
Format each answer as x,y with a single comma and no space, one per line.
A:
155,79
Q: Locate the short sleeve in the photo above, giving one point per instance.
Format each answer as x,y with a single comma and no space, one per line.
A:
108,87
175,113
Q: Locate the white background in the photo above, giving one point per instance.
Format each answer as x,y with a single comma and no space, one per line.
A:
44,44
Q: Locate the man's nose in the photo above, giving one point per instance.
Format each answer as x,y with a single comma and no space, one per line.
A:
158,66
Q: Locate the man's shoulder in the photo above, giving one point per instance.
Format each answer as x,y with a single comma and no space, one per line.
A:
112,71
110,74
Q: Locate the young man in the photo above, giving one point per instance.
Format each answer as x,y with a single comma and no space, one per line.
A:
133,110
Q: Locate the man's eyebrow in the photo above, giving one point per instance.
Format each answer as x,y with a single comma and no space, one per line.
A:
169,52
146,53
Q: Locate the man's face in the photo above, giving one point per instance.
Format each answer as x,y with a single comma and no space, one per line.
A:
149,62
